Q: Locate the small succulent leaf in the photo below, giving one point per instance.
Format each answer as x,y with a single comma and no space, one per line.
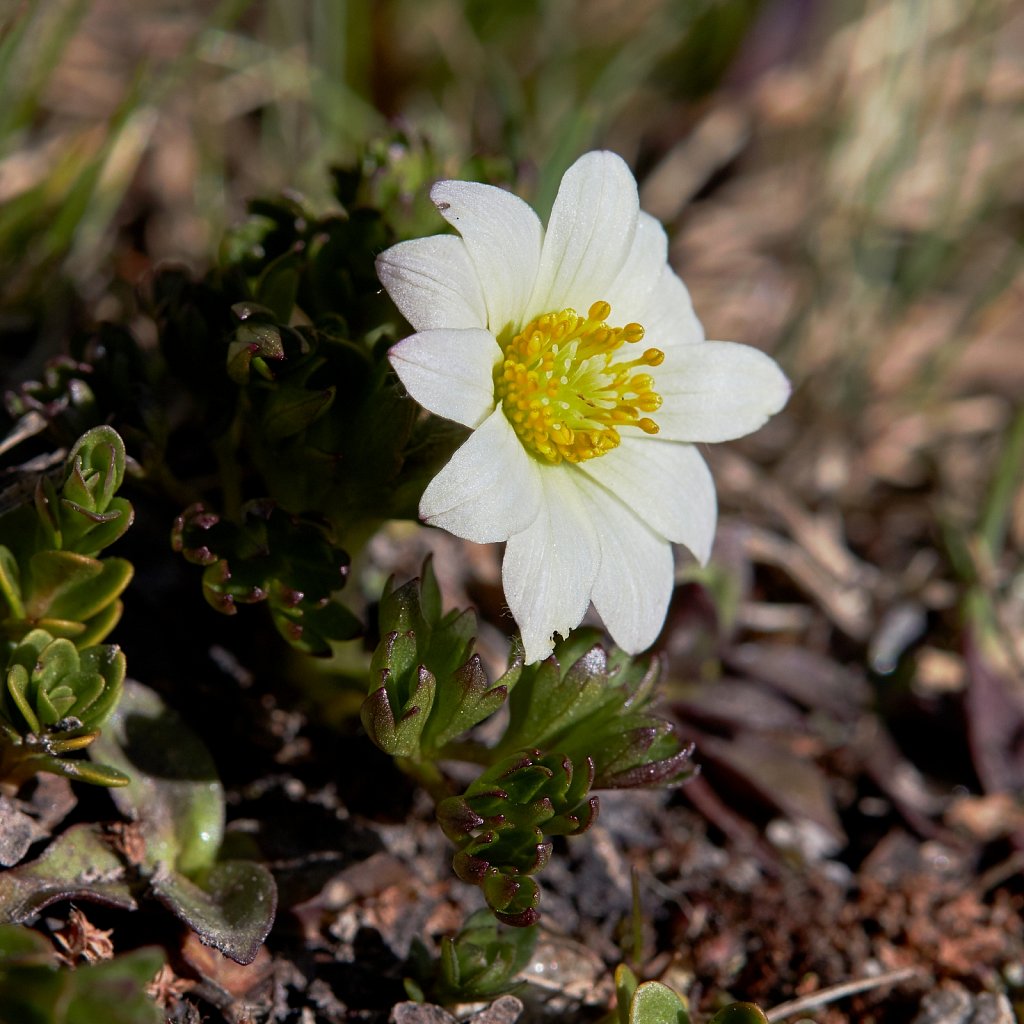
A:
232,909
457,819
107,527
87,771
637,676
379,720
430,592
512,894
174,792
54,704
97,457
576,823
54,573
108,662
548,702
626,983
47,506
10,583
291,410
78,864
740,1013
463,703
97,628
655,1003
17,688
114,991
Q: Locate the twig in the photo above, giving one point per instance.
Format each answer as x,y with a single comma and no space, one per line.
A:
834,992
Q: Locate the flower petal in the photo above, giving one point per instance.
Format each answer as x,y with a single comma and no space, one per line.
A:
550,567
589,235
635,581
450,373
669,319
629,294
667,485
717,391
503,237
489,490
433,283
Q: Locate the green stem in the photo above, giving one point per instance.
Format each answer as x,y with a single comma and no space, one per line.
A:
428,775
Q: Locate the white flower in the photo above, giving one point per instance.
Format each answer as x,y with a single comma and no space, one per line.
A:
583,451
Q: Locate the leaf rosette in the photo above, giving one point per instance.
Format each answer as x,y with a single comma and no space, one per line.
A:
54,700
502,822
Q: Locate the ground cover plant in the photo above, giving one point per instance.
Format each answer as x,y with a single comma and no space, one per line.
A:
408,614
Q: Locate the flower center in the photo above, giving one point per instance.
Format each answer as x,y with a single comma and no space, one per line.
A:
565,390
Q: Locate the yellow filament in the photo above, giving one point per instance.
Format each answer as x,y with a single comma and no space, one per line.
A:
566,392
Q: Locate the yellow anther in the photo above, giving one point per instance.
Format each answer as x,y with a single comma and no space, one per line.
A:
565,393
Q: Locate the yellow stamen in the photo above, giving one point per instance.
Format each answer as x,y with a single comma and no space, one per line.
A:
565,393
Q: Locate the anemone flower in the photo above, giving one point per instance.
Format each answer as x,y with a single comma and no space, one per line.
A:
583,453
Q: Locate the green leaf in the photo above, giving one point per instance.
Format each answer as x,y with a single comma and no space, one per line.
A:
82,600
79,864
654,1003
96,463
232,910
10,583
481,961
174,792
427,686
625,985
34,990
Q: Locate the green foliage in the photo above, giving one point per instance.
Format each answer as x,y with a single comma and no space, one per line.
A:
586,726
271,556
34,990
50,575
178,802
427,686
592,704
53,702
57,600
502,821
651,1002
482,959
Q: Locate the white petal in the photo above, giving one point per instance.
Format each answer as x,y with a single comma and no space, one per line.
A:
433,282
490,488
450,373
669,318
667,485
634,583
503,237
589,235
630,293
717,391
550,568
